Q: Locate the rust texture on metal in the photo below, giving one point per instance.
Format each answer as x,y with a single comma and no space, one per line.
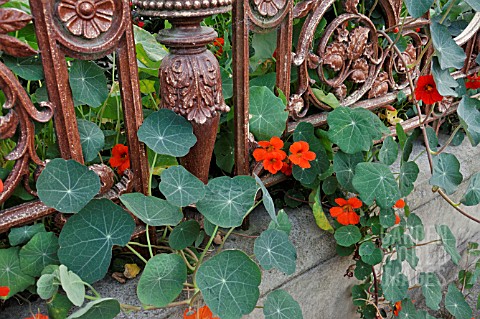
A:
190,81
86,30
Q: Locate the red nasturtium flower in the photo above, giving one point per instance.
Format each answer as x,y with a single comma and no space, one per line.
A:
219,43
426,90
1,186
417,29
345,213
274,145
397,308
399,204
4,291
286,168
120,158
300,154
473,82
38,316
273,161
141,24
203,313
397,219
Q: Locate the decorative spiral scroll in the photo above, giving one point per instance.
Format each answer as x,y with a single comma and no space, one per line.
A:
88,29
19,119
266,14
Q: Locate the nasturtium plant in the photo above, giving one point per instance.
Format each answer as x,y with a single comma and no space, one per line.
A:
38,253
67,185
449,242
431,289
280,305
344,165
274,249
21,235
472,195
180,187
88,83
105,308
151,210
11,274
72,284
91,138
87,238
184,234
394,282
446,172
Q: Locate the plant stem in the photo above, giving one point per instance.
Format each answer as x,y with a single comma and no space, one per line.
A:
151,174
147,234
225,239
450,139
189,266
203,254
448,11
136,253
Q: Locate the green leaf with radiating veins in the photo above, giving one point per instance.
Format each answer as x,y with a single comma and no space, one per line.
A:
88,83
344,166
87,238
418,8
154,50
394,282
431,289
47,285
472,195
408,175
184,234
267,199
273,249
456,304
151,210
389,151
280,305
104,308
375,181
444,81
227,200
362,270
21,235
180,187
30,68
475,6
72,284
67,185
268,116
162,280
408,310
167,133
370,254
449,53
415,227
446,172
11,274
38,253
283,223
229,284
469,113
347,235
91,138
449,242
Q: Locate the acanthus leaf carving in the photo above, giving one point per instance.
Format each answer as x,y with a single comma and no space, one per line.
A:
350,6
335,55
359,71
380,86
302,8
13,20
409,55
358,41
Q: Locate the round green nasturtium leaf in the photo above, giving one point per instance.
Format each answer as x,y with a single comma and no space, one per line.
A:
283,223
167,133
87,238
273,249
344,251
389,151
408,310
105,308
415,227
88,83
227,200
472,195
408,175
267,200
362,270
354,130
431,289
151,210
72,284
387,217
344,166
449,53
268,116
21,235
180,187
11,275
59,306
469,112
375,181
318,166
456,304
67,185
370,254
449,242
418,8
162,280
229,284
38,253
29,68
280,305
47,285
347,235
184,234
91,138
446,172
330,185
394,282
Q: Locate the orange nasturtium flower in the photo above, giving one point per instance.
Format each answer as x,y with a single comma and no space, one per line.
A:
473,82
38,316
399,204
426,90
1,186
219,43
4,291
120,158
203,313
300,154
397,308
273,161
286,168
397,219
274,145
345,213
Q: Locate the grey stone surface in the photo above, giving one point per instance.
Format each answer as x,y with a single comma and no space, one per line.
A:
319,284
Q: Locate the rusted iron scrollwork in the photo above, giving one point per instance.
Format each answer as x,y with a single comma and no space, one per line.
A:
190,81
83,29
